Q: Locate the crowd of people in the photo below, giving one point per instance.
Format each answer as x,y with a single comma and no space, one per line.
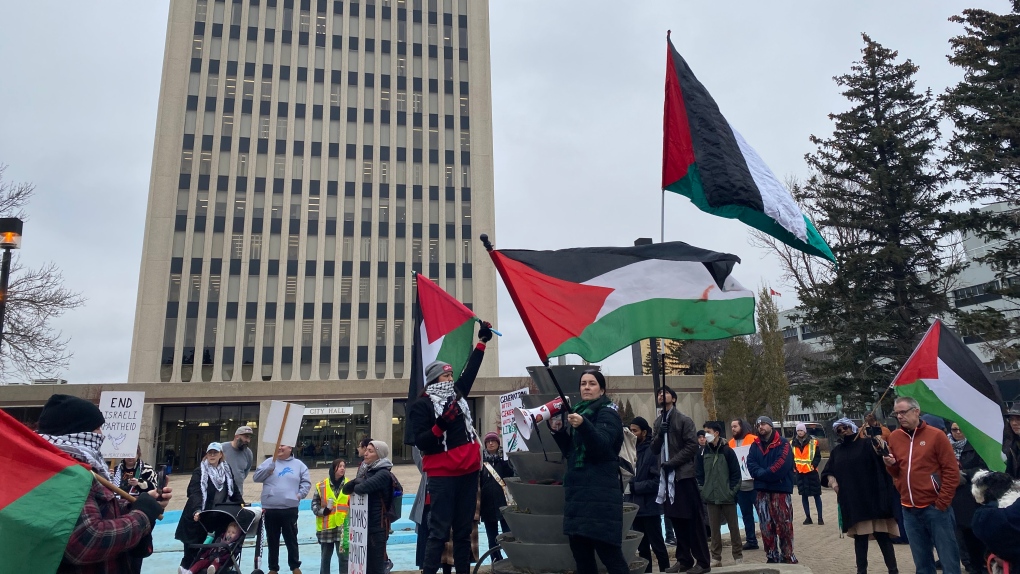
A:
911,485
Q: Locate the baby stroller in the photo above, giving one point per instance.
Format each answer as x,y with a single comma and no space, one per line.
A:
216,522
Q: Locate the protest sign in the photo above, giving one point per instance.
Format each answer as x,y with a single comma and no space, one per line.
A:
741,452
358,527
123,413
512,441
282,424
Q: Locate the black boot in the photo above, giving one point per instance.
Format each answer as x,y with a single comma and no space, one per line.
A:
888,552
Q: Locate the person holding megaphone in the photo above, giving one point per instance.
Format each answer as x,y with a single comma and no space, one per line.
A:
441,424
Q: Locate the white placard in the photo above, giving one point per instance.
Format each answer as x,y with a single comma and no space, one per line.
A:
282,417
358,527
741,452
512,441
123,413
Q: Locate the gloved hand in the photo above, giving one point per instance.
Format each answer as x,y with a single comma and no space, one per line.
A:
664,427
326,511
149,506
349,486
485,332
450,413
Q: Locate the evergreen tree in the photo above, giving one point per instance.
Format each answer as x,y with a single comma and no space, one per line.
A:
772,360
669,356
985,152
737,394
879,187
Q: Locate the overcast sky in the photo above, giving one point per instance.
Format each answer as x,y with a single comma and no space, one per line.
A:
577,115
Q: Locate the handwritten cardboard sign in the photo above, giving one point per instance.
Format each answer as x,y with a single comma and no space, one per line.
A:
123,413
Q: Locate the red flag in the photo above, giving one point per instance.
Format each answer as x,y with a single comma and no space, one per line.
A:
774,293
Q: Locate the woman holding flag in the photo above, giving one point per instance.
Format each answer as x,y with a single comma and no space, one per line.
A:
591,441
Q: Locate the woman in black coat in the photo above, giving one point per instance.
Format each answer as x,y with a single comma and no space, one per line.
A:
972,550
856,472
593,514
212,484
494,470
378,485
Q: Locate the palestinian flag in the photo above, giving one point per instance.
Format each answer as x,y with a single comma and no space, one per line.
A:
595,301
41,495
705,159
948,380
444,330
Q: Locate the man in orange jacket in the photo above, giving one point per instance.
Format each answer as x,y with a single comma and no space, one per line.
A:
926,473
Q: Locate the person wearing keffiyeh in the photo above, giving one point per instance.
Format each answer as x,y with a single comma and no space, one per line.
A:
212,483
441,424
110,535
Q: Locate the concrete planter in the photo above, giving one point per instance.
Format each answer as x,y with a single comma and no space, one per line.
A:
537,558
637,566
548,528
537,498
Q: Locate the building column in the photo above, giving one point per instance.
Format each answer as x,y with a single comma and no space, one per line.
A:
148,432
381,423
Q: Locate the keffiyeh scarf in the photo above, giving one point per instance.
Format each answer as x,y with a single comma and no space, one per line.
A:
440,393
667,480
847,422
83,447
218,475
957,446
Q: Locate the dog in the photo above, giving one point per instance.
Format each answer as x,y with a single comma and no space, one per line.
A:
999,487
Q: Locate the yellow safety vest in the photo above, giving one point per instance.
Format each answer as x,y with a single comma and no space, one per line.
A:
336,518
802,457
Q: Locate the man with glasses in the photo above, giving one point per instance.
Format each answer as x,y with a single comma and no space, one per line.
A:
924,467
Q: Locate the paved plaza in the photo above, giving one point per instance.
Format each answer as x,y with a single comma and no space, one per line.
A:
820,548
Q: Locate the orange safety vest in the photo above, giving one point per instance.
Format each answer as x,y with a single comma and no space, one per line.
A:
802,457
747,440
338,517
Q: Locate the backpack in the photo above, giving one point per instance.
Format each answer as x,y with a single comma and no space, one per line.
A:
628,459
396,502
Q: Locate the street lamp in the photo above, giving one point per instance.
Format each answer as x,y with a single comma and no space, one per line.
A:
10,238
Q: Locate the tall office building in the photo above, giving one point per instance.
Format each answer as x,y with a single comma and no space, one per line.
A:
309,155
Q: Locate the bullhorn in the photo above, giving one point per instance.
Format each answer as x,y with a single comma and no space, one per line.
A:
526,419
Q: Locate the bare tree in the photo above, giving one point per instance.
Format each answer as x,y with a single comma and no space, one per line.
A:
31,346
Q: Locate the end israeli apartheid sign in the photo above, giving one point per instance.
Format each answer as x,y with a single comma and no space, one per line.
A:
123,413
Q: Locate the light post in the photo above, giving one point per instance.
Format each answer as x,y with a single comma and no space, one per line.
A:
10,238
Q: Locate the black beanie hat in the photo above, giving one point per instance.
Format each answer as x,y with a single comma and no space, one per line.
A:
671,392
641,423
64,414
598,377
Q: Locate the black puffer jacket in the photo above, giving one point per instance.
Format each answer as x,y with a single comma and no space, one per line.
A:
594,500
378,485
644,487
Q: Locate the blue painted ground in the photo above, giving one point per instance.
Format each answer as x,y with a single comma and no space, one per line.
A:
167,551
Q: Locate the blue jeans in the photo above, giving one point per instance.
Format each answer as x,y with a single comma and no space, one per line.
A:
745,500
930,527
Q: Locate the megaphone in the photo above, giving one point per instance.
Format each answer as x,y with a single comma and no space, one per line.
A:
526,419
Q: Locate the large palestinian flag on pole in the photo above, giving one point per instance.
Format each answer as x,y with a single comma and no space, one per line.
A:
707,160
41,495
948,380
595,301
444,330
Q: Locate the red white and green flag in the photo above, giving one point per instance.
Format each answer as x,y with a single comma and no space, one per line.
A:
948,380
594,301
444,330
41,496
707,160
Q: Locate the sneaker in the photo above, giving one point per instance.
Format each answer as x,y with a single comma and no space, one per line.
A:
698,570
750,546
210,570
678,567
184,570
820,521
717,564
738,560
808,520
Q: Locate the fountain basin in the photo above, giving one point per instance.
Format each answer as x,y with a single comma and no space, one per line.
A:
532,557
534,466
536,498
548,528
